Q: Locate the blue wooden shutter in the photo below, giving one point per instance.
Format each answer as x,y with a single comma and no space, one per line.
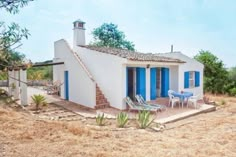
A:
186,79
197,78
66,86
164,82
141,82
137,81
153,83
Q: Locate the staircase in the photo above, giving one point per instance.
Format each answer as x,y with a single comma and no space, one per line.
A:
101,101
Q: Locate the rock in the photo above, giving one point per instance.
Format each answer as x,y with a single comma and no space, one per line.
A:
83,120
156,129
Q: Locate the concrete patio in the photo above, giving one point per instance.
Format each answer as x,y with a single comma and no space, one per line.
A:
167,116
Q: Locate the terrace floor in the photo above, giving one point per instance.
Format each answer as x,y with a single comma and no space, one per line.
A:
169,115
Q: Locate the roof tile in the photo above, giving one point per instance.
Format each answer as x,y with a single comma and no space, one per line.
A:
131,55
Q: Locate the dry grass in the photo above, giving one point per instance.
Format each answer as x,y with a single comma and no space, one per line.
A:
212,134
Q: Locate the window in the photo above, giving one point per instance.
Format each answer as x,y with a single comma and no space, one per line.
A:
191,79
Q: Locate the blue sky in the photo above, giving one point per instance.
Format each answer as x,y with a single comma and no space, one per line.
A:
153,25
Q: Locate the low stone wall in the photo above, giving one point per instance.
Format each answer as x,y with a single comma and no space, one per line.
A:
4,83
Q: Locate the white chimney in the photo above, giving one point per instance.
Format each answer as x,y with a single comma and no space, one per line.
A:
79,33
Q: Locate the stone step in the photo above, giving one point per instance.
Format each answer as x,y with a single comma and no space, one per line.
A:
103,98
99,93
100,97
101,106
101,101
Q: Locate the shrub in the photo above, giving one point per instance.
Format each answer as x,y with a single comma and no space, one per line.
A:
3,92
9,100
38,100
144,119
233,92
100,119
122,119
222,102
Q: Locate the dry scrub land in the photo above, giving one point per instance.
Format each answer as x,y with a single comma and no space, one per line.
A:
211,134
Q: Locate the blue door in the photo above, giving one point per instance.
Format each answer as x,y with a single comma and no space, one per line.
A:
164,82
141,82
66,84
153,83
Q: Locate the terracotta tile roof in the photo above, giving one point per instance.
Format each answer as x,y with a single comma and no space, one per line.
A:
134,56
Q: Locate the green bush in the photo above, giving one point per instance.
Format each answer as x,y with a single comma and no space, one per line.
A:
122,119
144,119
233,92
100,119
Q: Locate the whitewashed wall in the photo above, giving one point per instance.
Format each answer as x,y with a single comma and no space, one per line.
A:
174,78
58,72
148,84
107,72
190,65
82,89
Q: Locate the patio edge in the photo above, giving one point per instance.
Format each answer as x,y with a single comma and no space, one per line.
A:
206,108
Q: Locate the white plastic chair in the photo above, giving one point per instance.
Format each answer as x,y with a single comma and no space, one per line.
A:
169,94
193,100
173,100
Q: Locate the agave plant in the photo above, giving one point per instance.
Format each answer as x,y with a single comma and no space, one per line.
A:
122,119
144,119
100,119
38,100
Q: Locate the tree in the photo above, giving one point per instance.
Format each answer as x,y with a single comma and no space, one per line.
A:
11,58
215,74
40,73
13,6
232,73
108,35
11,36
232,81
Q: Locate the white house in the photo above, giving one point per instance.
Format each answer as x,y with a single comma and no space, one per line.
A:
100,76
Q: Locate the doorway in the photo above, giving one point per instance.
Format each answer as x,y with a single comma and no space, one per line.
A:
158,82
155,83
66,86
131,83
